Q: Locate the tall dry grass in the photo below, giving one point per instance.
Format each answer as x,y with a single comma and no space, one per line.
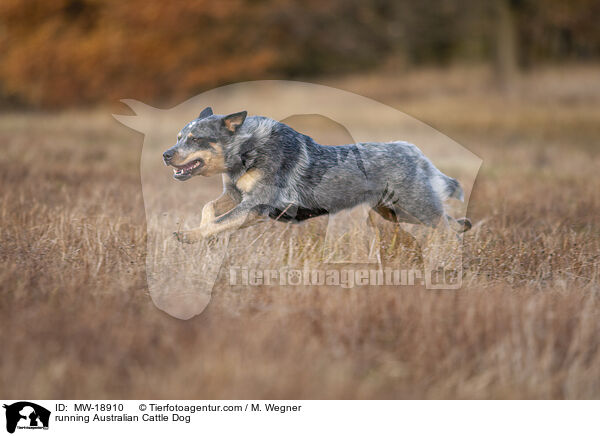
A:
76,320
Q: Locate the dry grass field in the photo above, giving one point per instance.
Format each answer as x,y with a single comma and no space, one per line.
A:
77,321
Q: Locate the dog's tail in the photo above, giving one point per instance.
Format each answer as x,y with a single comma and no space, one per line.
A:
447,187
454,189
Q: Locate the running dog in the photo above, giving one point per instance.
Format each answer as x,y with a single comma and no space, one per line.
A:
270,171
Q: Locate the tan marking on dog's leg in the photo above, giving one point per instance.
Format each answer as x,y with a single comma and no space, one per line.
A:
195,235
188,236
241,221
217,207
224,204
385,213
249,180
371,219
212,228
208,213
396,216
399,244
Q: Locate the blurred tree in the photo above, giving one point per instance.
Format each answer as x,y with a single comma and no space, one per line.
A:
506,42
63,52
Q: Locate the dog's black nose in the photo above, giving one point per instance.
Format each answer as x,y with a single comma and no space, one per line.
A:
168,155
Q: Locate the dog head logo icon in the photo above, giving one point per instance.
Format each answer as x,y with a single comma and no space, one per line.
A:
26,415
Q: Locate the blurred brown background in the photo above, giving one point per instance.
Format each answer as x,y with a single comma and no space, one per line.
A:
81,52
516,82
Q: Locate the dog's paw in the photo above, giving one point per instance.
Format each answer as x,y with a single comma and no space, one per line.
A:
465,224
186,237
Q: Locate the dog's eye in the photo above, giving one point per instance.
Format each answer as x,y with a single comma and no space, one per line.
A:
200,141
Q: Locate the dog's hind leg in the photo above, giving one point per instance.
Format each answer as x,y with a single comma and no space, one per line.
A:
395,215
399,215
394,239
459,225
440,247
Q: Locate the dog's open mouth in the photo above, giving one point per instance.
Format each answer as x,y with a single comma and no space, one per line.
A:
185,171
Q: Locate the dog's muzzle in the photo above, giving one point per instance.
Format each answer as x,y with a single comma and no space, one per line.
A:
184,172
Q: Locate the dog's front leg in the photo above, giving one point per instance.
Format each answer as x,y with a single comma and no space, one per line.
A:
218,207
240,216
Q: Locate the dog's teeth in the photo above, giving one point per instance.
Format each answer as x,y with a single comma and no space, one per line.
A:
187,168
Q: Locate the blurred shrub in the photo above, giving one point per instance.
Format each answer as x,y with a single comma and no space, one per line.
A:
63,52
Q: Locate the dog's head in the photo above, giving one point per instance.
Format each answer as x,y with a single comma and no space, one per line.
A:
200,145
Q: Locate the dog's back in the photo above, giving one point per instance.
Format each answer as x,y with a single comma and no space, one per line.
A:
392,175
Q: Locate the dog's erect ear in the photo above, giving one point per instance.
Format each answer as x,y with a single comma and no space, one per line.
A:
205,113
234,121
